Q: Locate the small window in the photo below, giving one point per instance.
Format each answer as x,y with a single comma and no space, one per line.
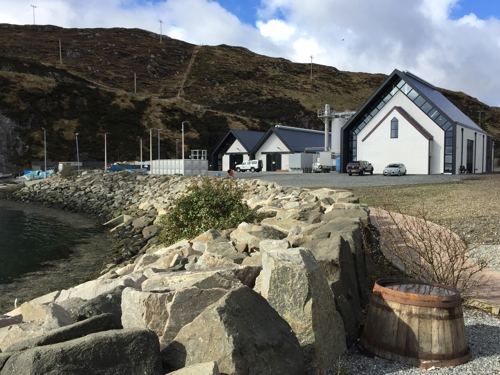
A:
394,127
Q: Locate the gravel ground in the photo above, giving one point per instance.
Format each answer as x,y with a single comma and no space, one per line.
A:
483,334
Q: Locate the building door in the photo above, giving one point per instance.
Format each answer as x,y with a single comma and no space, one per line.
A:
235,159
273,162
470,155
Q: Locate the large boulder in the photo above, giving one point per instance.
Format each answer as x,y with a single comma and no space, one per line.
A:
104,322
335,257
93,288
295,285
107,303
128,351
240,332
145,310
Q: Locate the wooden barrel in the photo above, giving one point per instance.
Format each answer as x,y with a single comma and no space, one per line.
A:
417,323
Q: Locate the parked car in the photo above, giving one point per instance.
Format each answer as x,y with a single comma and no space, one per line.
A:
249,165
395,169
359,167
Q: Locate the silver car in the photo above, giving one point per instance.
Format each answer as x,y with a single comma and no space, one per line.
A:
395,169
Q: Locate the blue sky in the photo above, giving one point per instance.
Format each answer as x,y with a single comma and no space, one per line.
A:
483,9
454,44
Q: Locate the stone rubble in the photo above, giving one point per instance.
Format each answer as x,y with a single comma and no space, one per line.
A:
284,296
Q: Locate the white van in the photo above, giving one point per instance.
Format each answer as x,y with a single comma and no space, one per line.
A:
249,165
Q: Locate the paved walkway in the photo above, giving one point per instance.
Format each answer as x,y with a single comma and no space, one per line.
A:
486,297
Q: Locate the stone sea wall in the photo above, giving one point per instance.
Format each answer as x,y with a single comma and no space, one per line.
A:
284,296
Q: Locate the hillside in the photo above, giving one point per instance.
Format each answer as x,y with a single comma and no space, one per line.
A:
87,86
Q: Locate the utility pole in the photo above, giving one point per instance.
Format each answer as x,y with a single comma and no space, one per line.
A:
135,83
158,143
33,6
480,111
60,52
105,152
45,151
311,70
160,29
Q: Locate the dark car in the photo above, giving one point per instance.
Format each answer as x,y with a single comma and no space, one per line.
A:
359,167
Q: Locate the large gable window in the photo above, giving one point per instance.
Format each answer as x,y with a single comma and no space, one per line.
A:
394,127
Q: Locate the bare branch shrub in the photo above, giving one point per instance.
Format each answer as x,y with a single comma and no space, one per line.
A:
429,252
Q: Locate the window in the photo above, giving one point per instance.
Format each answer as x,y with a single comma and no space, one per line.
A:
394,127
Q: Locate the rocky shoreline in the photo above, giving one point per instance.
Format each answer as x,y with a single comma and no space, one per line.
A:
283,296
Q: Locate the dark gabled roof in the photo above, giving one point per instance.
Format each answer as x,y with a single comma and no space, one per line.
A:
408,118
248,139
440,101
429,92
295,139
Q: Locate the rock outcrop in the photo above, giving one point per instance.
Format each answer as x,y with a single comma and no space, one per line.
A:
284,296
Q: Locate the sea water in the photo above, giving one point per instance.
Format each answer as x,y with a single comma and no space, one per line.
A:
42,250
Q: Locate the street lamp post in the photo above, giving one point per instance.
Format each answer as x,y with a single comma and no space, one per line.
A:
45,151
151,149
77,153
158,143
105,152
183,167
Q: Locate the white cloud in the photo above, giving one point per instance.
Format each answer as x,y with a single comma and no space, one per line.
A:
276,30
353,35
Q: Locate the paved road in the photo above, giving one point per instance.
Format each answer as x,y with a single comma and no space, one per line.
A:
344,181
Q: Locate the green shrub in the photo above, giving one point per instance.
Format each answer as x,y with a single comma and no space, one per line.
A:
69,172
210,203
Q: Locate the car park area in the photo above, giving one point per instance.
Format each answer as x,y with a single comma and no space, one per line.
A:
343,181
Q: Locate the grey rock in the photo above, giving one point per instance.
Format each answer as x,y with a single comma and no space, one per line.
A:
102,304
99,323
184,307
245,342
145,310
7,320
309,306
103,353
208,368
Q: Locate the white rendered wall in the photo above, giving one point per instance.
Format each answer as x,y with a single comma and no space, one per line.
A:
272,145
386,152
285,162
236,147
225,162
410,148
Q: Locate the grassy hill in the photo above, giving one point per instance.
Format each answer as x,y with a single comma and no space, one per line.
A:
125,81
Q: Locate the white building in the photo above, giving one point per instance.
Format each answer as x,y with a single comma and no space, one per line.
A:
408,121
273,147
